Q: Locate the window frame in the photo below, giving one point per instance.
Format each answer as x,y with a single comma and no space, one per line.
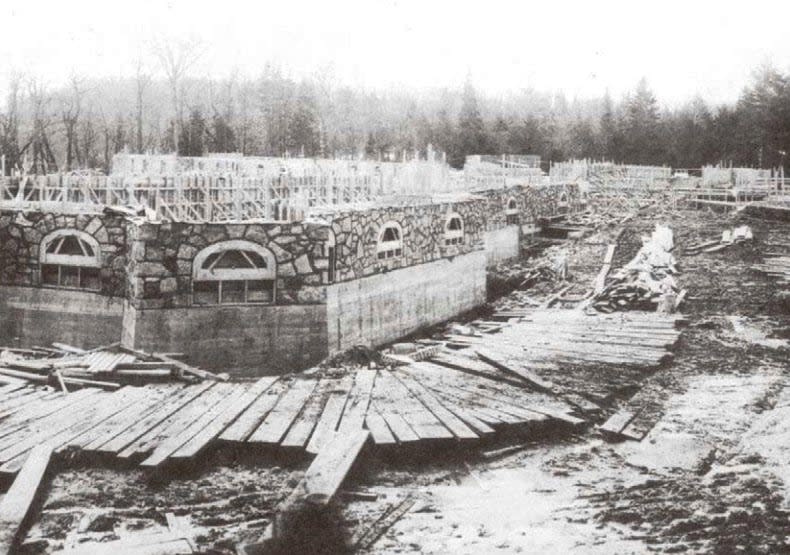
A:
387,250
85,260
220,276
511,212
453,236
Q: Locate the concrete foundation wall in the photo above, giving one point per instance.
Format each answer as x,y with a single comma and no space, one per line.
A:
243,340
501,244
381,308
38,316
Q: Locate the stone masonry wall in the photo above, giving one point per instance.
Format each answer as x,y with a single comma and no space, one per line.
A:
160,265
21,234
533,202
356,235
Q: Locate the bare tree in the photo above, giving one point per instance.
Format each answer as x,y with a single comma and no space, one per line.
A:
71,107
9,123
38,142
177,58
142,80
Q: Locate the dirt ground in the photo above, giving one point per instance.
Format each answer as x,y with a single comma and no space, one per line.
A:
712,475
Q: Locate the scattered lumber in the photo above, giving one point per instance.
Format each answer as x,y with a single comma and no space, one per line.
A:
644,280
729,237
107,367
16,503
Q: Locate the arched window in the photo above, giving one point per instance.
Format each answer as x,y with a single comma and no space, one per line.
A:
453,230
563,202
70,258
390,243
511,212
234,272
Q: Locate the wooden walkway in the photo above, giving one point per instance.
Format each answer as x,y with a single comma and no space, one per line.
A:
516,376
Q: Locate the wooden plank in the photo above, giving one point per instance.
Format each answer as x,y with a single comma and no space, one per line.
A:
132,403
42,430
211,431
403,402
531,378
302,427
379,430
176,422
15,504
600,279
357,405
279,420
252,417
460,360
166,408
447,418
192,421
330,467
42,415
401,430
616,422
330,417
41,408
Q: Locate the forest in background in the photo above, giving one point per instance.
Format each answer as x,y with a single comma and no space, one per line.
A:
81,124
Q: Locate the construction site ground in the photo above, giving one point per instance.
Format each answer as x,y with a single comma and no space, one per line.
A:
711,476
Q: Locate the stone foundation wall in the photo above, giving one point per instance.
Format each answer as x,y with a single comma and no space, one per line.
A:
21,234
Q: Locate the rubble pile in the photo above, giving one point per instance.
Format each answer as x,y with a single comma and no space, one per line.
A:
648,280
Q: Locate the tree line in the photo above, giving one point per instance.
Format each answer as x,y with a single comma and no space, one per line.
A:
81,124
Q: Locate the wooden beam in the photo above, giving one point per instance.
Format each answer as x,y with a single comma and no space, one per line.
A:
16,504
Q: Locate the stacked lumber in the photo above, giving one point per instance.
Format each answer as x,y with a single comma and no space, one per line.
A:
642,282
107,367
777,266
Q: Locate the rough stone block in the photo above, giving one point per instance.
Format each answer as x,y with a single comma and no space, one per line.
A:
168,285
303,265
187,252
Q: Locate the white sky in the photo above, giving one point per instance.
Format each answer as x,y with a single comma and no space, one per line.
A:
682,47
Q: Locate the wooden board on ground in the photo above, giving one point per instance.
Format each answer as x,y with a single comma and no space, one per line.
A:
16,503
276,424
332,413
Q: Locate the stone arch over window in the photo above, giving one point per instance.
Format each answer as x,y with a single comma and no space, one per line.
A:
390,241
71,259
511,211
234,272
453,229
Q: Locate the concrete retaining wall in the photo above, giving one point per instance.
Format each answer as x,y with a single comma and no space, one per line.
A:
251,340
502,244
381,308
38,316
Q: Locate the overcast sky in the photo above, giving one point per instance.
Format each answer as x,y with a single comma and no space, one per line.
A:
683,48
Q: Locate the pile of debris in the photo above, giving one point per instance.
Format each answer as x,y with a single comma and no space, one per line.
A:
646,281
109,367
729,237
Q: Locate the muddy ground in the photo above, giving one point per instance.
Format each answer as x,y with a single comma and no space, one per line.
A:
712,476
